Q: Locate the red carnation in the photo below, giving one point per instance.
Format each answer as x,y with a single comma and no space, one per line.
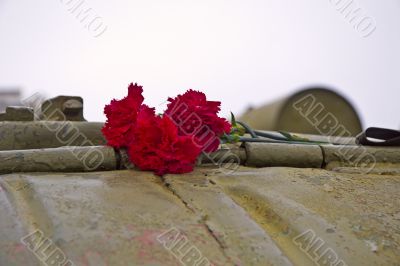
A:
121,117
157,146
194,115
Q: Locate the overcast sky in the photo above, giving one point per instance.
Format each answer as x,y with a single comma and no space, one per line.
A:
240,52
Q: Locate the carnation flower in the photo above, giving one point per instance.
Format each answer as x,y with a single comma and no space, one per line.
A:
121,117
168,143
196,116
156,145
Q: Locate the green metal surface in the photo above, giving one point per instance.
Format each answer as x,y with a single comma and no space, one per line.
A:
252,217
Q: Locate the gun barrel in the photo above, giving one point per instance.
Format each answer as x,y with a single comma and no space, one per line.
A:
311,111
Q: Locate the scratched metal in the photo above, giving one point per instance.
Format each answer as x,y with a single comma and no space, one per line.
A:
252,217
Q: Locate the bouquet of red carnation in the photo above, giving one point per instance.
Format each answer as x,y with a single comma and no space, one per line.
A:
167,143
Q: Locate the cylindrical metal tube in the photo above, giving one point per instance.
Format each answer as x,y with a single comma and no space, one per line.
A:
224,155
362,157
254,154
64,159
312,111
49,134
289,155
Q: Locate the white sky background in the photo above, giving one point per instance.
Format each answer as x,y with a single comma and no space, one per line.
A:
239,52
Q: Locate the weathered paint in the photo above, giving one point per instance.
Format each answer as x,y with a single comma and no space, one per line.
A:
49,134
251,217
65,159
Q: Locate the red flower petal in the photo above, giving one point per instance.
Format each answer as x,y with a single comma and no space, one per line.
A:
193,114
121,117
157,146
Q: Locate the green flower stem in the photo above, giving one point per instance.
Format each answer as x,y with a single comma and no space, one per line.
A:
269,135
265,140
259,136
248,129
